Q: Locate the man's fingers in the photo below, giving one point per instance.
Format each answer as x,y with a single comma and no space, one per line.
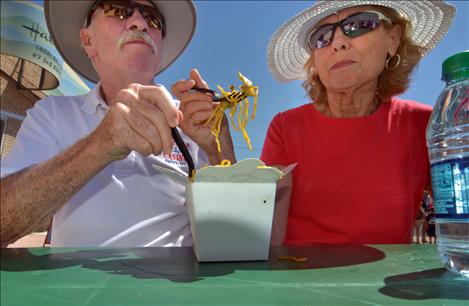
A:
159,96
140,135
197,106
162,134
195,97
199,82
180,116
127,96
200,117
197,112
182,86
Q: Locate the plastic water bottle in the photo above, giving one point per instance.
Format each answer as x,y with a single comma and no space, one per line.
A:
448,149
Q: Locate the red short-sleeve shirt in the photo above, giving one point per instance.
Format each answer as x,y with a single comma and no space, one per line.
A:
358,180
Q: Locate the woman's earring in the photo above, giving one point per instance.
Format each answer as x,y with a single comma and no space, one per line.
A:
390,59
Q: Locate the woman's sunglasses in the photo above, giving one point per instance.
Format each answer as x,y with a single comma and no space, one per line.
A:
352,26
124,9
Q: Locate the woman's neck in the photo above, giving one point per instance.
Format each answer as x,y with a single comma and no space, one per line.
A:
352,104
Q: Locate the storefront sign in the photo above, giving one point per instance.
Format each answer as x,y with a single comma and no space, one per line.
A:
24,34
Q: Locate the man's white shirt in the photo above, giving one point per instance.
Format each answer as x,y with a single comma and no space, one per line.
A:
128,203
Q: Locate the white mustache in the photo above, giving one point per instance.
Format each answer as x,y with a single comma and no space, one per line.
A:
131,35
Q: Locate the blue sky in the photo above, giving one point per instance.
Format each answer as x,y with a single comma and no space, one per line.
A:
233,36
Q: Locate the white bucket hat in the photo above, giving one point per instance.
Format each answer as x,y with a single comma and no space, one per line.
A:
288,49
66,18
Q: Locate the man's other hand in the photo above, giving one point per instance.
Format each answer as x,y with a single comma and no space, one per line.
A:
140,120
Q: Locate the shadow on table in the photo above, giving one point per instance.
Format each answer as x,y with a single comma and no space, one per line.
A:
179,264
429,284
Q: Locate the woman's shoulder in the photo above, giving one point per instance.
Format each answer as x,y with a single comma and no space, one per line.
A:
410,109
398,104
295,113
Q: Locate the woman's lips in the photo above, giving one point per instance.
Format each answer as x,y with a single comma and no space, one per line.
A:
342,64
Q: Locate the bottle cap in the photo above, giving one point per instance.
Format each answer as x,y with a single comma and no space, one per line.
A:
456,66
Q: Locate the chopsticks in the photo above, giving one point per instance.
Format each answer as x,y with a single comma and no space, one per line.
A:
235,95
182,147
178,139
216,96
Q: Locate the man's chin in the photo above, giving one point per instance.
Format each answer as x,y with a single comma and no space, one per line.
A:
145,58
140,71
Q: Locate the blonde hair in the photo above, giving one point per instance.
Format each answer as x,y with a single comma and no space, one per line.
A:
390,82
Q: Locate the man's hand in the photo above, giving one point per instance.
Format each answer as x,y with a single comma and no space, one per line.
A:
140,120
197,108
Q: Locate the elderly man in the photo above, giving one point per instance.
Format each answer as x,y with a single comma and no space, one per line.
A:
87,160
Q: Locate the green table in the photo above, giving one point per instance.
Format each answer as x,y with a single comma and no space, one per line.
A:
332,275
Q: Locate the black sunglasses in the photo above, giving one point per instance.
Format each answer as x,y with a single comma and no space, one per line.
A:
124,9
352,26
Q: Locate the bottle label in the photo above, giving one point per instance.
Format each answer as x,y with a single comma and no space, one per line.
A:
450,182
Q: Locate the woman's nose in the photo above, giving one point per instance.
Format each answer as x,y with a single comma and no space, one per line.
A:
340,41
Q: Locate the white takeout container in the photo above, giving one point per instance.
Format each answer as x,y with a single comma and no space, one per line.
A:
230,209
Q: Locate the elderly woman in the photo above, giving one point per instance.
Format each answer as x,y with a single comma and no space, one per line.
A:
361,151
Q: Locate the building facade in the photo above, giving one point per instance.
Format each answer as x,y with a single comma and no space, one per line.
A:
14,101
31,67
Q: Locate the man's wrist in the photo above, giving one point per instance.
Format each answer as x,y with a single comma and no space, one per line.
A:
103,148
227,152
100,151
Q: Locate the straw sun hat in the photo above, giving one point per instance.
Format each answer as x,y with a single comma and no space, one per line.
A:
66,18
288,48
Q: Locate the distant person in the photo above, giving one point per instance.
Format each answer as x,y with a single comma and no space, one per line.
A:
430,225
87,160
419,224
361,152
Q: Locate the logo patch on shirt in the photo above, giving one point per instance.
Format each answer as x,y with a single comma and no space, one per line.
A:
176,157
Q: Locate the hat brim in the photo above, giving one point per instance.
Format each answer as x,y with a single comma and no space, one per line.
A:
288,50
66,18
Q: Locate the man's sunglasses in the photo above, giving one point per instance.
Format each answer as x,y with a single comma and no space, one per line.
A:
124,9
352,26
